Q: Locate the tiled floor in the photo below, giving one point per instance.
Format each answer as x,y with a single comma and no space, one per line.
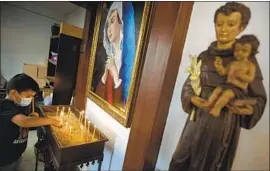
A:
28,160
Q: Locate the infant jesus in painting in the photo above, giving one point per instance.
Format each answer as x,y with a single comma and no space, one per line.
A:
239,73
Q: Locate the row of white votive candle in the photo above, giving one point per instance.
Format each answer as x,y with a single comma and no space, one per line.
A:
86,124
61,115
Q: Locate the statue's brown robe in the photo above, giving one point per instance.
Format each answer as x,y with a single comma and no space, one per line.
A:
210,143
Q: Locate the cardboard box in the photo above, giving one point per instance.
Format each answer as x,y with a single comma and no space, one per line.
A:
31,70
41,82
37,72
42,72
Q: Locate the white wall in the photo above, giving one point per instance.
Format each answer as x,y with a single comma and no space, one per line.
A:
25,38
76,17
253,149
118,136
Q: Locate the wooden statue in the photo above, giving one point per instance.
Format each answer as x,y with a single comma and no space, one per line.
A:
209,143
240,73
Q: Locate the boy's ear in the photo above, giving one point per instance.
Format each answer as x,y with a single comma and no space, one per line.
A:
13,92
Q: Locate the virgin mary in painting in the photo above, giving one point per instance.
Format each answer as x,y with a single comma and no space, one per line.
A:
120,48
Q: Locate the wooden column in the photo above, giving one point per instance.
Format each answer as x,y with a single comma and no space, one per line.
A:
81,88
163,56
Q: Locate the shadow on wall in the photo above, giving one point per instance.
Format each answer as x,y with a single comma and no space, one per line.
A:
114,131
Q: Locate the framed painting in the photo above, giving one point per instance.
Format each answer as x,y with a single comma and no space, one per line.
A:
116,56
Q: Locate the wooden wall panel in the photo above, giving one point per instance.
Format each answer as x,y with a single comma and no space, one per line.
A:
163,57
81,83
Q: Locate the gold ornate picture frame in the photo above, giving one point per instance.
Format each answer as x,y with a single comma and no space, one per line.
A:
116,57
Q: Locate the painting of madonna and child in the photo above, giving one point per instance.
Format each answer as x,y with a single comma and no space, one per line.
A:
116,55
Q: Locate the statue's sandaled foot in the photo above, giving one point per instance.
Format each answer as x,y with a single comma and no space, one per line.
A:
199,102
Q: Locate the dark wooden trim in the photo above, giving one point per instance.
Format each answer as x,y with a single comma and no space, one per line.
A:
81,84
163,57
141,64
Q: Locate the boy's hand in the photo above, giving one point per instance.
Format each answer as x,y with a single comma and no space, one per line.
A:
55,121
34,114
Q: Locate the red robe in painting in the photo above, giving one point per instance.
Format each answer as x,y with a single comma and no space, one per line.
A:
108,92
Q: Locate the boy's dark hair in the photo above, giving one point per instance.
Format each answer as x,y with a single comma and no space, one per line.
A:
251,39
22,82
231,7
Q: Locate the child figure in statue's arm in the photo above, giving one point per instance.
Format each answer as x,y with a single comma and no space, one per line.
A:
239,73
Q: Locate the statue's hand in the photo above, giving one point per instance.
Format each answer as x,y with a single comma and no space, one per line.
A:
193,99
242,102
218,62
199,102
246,109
